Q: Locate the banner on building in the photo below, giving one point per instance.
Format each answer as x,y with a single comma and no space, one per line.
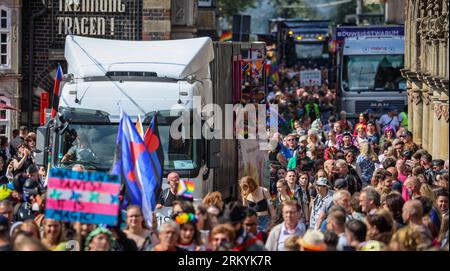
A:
88,197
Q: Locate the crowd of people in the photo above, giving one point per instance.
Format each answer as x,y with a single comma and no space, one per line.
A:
335,185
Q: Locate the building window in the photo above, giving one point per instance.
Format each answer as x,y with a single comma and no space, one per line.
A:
2,114
4,38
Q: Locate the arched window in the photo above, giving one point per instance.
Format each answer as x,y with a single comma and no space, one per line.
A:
5,53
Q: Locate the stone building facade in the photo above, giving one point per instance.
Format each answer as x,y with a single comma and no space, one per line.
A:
10,65
46,23
426,71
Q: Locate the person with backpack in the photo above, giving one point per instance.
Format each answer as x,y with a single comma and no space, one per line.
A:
170,194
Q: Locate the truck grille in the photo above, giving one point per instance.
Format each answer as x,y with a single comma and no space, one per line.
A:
378,107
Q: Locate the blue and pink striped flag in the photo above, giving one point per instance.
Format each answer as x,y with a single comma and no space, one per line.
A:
88,197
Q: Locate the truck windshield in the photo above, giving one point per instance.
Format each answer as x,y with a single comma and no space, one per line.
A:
309,50
93,145
373,73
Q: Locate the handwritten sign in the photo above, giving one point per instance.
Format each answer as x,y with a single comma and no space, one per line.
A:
87,197
163,215
310,78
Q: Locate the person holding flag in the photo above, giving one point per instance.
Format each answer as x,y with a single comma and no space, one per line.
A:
170,194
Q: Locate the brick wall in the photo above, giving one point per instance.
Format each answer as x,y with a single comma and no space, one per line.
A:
128,26
156,19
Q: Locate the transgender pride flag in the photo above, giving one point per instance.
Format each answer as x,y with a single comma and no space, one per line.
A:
88,197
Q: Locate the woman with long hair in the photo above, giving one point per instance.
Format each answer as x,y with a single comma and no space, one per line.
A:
366,161
258,198
138,231
53,235
283,193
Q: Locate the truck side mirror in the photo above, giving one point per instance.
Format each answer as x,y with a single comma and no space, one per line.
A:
213,149
42,138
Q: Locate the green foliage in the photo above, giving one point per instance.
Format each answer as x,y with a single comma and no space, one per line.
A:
228,8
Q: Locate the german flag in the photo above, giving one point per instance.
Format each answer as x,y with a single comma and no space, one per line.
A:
226,36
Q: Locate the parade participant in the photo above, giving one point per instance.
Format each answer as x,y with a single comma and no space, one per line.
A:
331,153
329,126
137,230
291,143
258,198
369,200
31,205
53,235
291,226
350,158
234,215
336,224
411,188
222,237
355,232
343,170
442,201
372,135
31,228
345,124
389,119
17,140
22,160
321,203
168,236
7,210
379,226
394,204
100,239
283,192
214,199
414,236
406,136
81,151
388,134
362,123
332,140
251,223
189,238
347,144
312,241
360,136
366,162
5,244
169,195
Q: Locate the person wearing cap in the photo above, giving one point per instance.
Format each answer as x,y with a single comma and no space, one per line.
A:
312,241
292,226
234,214
390,118
340,184
5,244
291,144
347,143
321,203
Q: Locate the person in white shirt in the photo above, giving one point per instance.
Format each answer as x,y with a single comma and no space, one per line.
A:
292,226
390,118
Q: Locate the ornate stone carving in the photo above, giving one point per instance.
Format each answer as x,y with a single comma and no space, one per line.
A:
445,112
437,110
426,98
417,97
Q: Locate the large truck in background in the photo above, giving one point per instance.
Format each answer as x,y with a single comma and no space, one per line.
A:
369,60
144,78
302,42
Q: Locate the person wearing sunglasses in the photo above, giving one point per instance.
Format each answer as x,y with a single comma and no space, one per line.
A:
251,225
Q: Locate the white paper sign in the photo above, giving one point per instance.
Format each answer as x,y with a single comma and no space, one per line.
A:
310,78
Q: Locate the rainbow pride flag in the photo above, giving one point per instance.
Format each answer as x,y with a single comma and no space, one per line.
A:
186,188
226,36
